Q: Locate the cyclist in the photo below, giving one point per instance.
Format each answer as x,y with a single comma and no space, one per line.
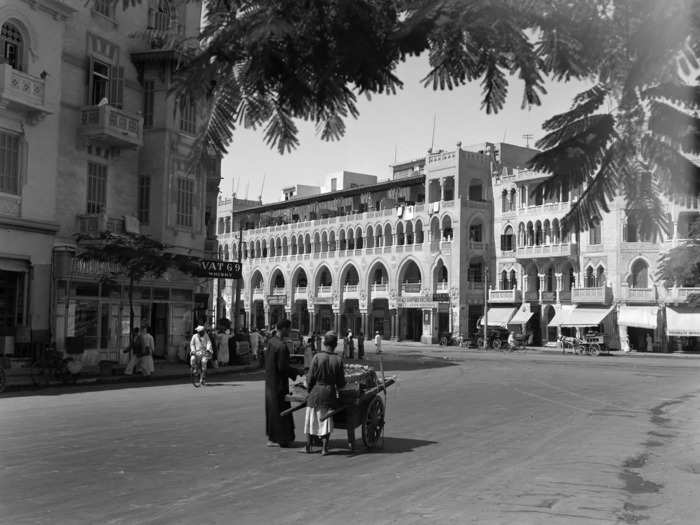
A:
511,341
200,348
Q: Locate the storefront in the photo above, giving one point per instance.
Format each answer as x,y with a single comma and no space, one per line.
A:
92,315
638,328
683,328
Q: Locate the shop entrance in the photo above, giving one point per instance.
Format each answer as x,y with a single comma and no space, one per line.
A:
411,324
351,318
475,313
638,338
380,318
551,331
11,302
324,318
258,315
300,317
277,313
159,328
443,322
534,324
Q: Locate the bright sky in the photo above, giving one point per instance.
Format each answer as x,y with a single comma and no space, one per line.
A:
400,123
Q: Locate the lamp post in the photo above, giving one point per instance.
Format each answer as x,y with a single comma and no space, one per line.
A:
237,297
486,305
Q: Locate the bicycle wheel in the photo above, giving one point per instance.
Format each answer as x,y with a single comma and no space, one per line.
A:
496,344
479,343
594,349
40,374
196,376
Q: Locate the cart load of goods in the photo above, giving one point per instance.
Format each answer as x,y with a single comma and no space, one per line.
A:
358,379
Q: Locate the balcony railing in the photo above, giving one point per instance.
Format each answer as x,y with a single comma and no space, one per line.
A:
300,290
442,287
324,290
351,288
549,297
379,287
597,295
413,288
111,126
22,91
545,250
639,295
258,292
531,296
477,245
475,285
100,223
278,291
681,295
565,296
505,296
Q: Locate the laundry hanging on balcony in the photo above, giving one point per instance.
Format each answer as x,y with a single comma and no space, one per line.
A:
399,211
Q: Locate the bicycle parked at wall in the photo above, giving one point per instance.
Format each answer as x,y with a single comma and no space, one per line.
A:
496,337
449,340
50,365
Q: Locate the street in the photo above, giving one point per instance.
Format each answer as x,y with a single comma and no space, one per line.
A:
470,438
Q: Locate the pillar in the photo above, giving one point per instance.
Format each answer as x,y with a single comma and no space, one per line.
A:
442,189
364,326
394,324
337,321
541,277
558,278
267,316
312,319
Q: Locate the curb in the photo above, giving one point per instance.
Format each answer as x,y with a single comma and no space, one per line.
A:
105,380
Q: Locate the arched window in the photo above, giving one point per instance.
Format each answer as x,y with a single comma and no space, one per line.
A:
508,240
475,191
12,46
600,278
639,277
590,278
504,201
513,280
549,280
513,199
505,285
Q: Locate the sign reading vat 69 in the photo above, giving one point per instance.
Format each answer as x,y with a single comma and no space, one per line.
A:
220,269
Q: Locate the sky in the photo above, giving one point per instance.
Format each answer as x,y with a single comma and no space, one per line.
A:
389,125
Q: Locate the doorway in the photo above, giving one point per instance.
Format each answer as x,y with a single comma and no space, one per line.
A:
412,323
159,328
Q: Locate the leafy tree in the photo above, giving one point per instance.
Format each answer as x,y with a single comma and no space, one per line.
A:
134,257
633,134
680,266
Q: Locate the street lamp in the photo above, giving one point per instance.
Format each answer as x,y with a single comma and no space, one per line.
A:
486,305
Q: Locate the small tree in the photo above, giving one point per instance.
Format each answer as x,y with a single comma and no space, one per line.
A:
133,257
681,265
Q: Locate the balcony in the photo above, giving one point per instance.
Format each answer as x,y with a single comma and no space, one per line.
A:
258,292
300,292
638,295
598,295
324,291
505,296
477,245
532,296
410,288
279,291
379,288
545,250
682,295
111,126
446,247
442,287
23,92
549,297
99,223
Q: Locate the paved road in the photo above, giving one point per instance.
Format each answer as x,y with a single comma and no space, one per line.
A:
476,438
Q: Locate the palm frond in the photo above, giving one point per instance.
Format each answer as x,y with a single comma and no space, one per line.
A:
584,104
682,94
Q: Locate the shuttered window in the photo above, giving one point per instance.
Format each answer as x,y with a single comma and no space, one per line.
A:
144,199
96,187
148,103
105,82
187,115
12,149
185,199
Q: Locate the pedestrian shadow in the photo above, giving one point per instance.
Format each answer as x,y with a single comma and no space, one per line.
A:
392,445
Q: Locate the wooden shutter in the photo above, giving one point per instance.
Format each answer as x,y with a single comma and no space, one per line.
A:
116,86
90,70
22,161
503,243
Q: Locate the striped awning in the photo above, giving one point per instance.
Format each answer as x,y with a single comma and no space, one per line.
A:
582,317
498,316
682,323
522,316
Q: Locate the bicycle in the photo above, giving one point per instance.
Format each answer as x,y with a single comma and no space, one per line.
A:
198,373
51,365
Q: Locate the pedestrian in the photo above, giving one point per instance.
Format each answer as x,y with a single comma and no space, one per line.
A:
149,346
345,346
278,372
351,345
136,349
222,339
511,340
378,342
649,342
317,337
254,339
326,376
360,346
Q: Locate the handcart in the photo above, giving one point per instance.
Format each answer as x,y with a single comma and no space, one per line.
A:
361,405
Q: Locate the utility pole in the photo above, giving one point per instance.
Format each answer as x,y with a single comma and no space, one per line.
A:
527,138
237,296
486,306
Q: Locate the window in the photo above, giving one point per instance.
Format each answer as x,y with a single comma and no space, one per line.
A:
475,272
144,199
594,235
11,161
475,191
185,198
187,115
504,201
12,45
104,7
475,233
105,82
96,187
148,102
508,240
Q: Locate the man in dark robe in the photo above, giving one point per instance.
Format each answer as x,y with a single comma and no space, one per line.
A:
278,372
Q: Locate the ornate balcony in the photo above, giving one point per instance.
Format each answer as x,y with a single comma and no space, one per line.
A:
442,287
410,288
545,250
505,296
22,91
638,295
379,288
100,223
597,295
682,295
532,296
279,290
300,291
258,292
111,126
324,291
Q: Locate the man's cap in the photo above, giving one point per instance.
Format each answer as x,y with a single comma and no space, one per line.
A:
200,328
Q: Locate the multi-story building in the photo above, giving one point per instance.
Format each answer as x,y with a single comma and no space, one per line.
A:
124,147
31,36
555,283
405,257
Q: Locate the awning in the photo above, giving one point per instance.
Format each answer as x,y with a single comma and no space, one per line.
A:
561,318
638,316
522,316
498,316
682,323
581,317
13,265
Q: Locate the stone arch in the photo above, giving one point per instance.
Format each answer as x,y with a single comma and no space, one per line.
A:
299,277
477,225
307,243
530,234
410,238
221,253
324,242
639,275
547,232
323,276
447,231
294,245
568,276
400,239
317,243
285,246
589,277
277,279
601,278
513,279
388,236
420,237
538,233
227,256
342,240
14,18
349,274
435,229
359,241
409,272
351,239
556,232
440,272
378,272
331,242
370,236
256,280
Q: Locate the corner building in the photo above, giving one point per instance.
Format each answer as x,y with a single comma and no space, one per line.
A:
406,257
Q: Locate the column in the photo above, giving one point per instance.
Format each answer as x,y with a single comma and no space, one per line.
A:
312,319
442,189
364,323
267,315
337,321
393,315
557,276
541,277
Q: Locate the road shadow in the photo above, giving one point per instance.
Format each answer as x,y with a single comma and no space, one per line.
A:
392,445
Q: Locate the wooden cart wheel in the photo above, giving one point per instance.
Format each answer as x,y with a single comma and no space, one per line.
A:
496,344
479,343
579,349
373,425
594,349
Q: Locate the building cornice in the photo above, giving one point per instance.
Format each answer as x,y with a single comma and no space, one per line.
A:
29,225
56,8
330,196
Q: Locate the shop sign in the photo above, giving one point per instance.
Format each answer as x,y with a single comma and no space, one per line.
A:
415,302
220,269
441,297
277,300
93,267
